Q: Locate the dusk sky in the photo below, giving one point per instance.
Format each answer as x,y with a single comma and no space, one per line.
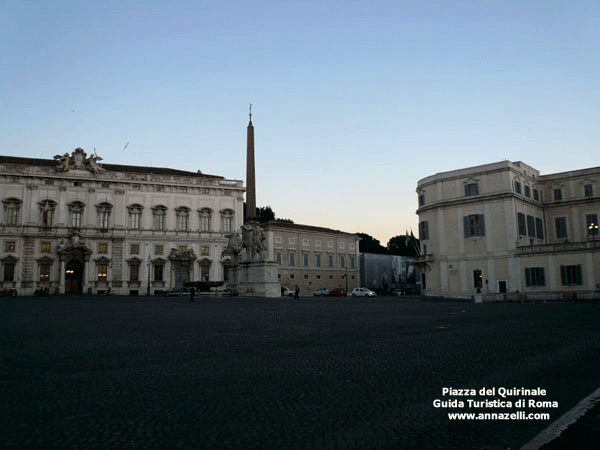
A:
353,101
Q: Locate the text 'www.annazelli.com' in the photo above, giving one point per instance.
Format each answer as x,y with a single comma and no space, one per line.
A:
519,415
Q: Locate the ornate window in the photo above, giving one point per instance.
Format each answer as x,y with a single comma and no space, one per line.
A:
9,246
205,219
135,216
134,270
134,249
227,221
45,247
12,206
183,219
159,216
76,213
102,271
205,250
158,249
47,208
204,270
9,270
158,271
102,247
104,210
45,267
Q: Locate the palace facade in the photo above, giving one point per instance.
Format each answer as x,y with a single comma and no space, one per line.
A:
504,228
74,225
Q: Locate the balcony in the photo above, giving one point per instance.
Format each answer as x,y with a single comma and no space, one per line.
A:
424,259
564,247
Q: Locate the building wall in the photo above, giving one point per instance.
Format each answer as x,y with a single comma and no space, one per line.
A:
519,208
32,183
299,240
387,272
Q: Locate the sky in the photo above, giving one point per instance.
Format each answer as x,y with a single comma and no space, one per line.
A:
353,101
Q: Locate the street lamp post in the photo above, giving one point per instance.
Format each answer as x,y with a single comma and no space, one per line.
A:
346,281
148,286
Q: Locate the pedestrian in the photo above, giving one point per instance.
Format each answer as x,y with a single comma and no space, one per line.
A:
192,293
297,293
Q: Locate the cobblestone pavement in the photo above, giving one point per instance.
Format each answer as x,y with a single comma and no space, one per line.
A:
319,373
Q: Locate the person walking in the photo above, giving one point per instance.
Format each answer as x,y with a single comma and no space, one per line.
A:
192,293
297,293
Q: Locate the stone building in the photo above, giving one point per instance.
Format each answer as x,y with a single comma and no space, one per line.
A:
313,257
502,227
75,225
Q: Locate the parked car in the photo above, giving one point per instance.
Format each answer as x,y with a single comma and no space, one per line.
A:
363,292
321,292
337,292
11,292
286,292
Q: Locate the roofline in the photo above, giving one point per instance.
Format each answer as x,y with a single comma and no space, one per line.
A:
273,224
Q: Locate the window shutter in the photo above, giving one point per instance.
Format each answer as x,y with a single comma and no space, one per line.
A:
527,277
563,275
578,278
542,277
481,225
466,226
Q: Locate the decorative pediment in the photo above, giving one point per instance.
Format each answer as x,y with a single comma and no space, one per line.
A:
134,260
78,160
178,255
73,244
45,260
102,260
10,259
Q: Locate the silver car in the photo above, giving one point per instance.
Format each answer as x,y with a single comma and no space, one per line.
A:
321,292
363,292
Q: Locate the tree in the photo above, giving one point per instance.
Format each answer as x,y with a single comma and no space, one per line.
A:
264,214
368,244
403,245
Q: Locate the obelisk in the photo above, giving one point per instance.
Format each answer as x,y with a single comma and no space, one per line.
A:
250,175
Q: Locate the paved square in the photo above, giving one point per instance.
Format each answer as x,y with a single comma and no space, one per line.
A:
319,373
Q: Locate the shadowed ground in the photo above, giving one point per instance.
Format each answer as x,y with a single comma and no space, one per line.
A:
323,373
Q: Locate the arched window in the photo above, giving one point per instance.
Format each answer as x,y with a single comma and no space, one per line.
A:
227,221
47,208
135,216
104,210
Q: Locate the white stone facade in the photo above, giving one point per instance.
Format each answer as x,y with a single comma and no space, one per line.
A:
505,228
74,225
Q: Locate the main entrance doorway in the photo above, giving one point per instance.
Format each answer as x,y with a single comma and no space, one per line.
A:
182,275
74,277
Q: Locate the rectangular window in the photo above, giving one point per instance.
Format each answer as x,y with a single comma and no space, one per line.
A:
536,194
329,244
104,185
204,272
527,191
159,188
11,215
539,228
557,194
588,190
47,217
305,242
227,221
318,277
135,220
45,272
278,239
530,226
305,258
571,275
474,225
183,222
292,241
205,250
102,272
134,272
522,225
330,257
318,257
77,183
159,221
104,219
158,272
45,247
292,276
134,249
279,258
424,230
9,246
560,225
9,272
183,189
292,259
421,200
48,182
136,187
534,276
317,243
76,219
342,261
205,223
517,187
306,277
158,249
471,189
352,262
102,248
182,248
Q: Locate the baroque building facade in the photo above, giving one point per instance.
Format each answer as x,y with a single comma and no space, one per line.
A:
504,228
313,257
74,225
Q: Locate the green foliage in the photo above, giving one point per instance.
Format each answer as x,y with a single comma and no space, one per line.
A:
403,245
368,244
